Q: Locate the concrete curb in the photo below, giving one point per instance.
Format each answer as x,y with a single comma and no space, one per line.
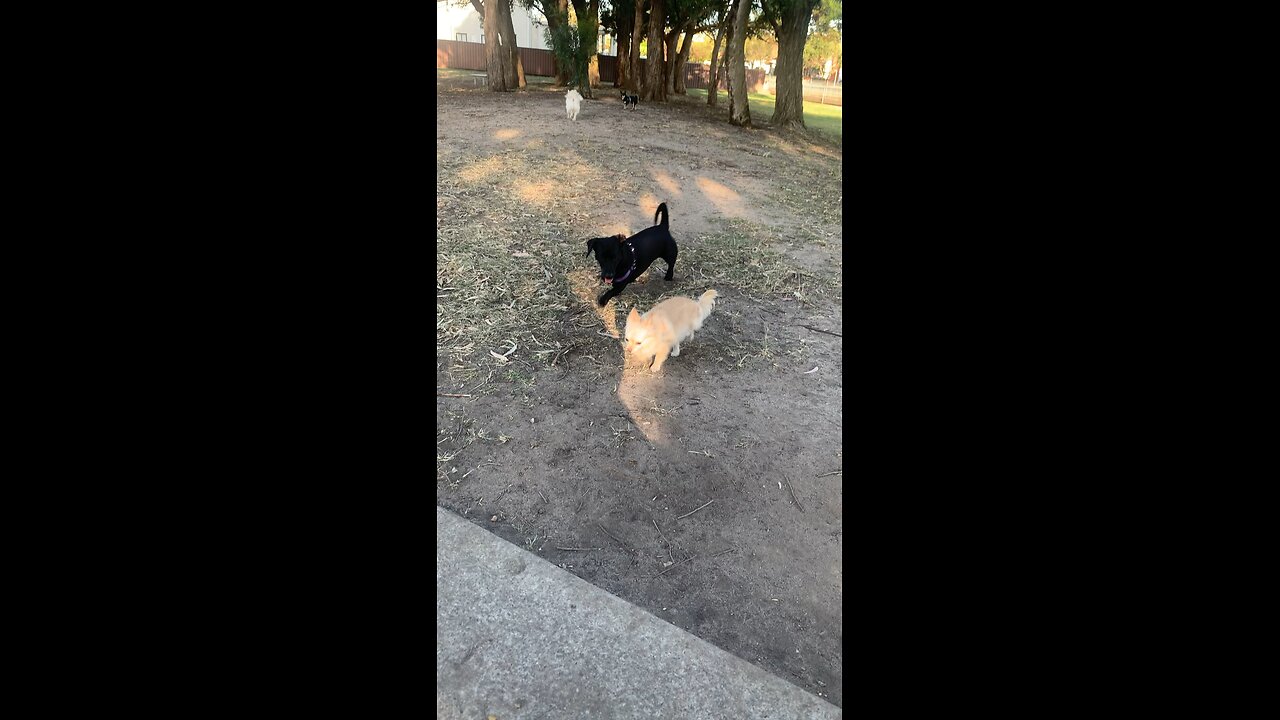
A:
517,637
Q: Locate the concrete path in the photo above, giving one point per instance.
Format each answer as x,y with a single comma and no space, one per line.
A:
517,637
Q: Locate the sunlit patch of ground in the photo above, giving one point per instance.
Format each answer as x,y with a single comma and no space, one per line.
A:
725,198
485,169
536,193
667,182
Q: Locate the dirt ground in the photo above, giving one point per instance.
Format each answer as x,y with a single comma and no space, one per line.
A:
710,495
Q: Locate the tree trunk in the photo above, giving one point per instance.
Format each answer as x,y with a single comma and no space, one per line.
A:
724,66
514,68
593,65
683,57
739,108
669,53
728,43
637,27
496,57
655,88
622,66
788,109
713,90
620,70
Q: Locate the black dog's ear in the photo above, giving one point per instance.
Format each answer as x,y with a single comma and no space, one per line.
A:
591,245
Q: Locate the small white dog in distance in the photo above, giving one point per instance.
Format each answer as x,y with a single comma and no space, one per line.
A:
572,104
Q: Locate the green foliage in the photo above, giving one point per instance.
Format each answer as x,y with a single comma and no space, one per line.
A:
700,52
823,46
612,12
681,11
760,49
829,15
572,45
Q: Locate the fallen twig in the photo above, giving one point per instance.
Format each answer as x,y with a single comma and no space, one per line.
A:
504,492
606,532
793,493
561,354
833,472
828,332
695,510
440,394
565,548
670,556
673,567
482,382
544,497
723,552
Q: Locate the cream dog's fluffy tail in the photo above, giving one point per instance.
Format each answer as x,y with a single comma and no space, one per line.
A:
707,302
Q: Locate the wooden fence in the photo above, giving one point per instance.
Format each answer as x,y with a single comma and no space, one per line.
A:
470,56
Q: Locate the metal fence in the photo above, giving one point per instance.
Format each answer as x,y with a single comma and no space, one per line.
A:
815,91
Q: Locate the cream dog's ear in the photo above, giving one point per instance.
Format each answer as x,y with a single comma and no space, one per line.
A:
633,315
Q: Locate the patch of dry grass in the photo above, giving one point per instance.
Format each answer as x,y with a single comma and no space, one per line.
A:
514,294
453,437
501,290
747,257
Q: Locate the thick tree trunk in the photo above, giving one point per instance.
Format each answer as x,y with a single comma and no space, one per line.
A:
683,57
622,71
739,108
655,89
593,65
593,74
634,82
496,56
788,109
669,53
514,68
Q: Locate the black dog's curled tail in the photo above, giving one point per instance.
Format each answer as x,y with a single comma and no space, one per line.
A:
666,215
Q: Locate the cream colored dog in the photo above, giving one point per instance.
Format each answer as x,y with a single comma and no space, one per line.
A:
572,104
659,332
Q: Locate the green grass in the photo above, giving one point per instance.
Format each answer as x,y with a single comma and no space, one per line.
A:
824,118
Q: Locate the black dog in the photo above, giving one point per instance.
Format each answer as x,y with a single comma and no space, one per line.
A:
629,100
622,259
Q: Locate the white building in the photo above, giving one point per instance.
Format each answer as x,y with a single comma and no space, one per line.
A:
462,22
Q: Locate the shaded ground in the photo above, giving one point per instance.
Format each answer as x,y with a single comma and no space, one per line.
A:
608,470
